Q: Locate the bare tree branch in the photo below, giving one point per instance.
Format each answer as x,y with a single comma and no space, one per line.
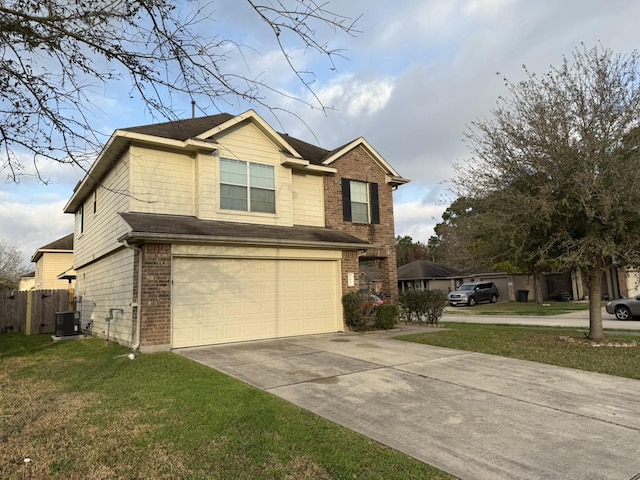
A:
55,55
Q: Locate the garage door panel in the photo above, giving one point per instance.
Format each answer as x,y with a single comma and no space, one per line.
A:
219,300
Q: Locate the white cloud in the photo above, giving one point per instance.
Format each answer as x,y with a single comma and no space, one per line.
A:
356,97
30,226
417,219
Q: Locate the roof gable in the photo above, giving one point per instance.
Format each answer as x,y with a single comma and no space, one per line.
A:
392,175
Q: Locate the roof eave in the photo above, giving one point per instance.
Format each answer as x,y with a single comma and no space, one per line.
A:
118,143
136,238
41,251
396,181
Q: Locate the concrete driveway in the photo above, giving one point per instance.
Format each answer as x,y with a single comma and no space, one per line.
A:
473,415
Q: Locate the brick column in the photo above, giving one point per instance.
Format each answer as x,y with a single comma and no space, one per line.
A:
155,308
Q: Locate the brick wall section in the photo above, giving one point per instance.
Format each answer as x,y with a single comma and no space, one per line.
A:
349,264
359,165
155,307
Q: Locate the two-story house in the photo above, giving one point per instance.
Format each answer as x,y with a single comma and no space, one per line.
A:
220,229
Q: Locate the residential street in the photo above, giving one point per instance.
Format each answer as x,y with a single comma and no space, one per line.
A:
573,319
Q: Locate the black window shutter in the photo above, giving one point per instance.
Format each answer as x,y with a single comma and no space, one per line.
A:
375,205
346,200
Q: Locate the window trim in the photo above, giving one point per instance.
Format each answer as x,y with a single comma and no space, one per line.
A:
248,187
373,202
80,212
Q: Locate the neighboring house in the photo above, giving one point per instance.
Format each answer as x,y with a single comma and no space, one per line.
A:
219,229
426,275
27,281
51,261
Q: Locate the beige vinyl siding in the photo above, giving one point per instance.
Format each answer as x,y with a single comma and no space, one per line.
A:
102,229
247,143
308,200
49,266
206,187
103,285
163,181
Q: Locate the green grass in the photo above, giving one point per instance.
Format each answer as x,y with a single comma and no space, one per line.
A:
83,410
519,308
540,344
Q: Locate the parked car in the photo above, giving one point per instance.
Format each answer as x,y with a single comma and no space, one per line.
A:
624,308
374,300
474,292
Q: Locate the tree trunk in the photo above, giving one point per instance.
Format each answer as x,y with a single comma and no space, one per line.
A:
595,309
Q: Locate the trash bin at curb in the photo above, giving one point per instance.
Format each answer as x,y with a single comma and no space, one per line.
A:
522,296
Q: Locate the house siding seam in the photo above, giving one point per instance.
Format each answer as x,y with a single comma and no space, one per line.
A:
155,308
358,165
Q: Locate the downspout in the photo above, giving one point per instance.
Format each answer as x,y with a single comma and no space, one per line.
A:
136,336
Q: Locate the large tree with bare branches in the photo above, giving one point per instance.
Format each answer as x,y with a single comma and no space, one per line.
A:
12,266
55,54
556,168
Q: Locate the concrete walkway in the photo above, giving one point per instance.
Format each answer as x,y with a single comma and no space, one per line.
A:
473,415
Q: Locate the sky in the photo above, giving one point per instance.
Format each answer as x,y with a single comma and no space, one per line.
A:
411,82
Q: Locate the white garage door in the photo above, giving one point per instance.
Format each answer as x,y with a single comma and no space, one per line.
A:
218,300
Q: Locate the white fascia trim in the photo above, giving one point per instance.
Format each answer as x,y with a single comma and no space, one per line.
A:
269,242
305,165
376,156
252,116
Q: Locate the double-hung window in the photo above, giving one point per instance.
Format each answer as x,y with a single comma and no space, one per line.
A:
247,187
360,201
359,192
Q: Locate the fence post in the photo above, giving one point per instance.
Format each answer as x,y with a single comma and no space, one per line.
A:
27,319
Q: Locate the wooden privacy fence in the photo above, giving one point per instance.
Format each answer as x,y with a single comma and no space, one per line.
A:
32,312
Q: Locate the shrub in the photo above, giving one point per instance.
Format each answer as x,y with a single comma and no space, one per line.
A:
386,317
423,306
358,314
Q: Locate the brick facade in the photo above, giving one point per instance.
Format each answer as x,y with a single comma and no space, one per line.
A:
359,165
155,307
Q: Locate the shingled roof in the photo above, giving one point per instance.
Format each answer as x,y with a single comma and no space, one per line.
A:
425,269
63,244
192,127
182,129
173,228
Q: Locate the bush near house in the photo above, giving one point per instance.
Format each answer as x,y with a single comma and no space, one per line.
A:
361,314
423,306
386,317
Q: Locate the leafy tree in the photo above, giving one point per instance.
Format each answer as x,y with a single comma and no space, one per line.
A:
458,239
557,168
57,54
12,266
407,251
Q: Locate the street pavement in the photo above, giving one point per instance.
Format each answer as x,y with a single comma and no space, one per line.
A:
579,319
476,416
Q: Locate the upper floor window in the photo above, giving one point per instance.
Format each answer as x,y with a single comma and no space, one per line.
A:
246,186
360,202
95,200
80,215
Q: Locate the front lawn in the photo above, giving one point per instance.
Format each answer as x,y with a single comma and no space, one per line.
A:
556,346
83,410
